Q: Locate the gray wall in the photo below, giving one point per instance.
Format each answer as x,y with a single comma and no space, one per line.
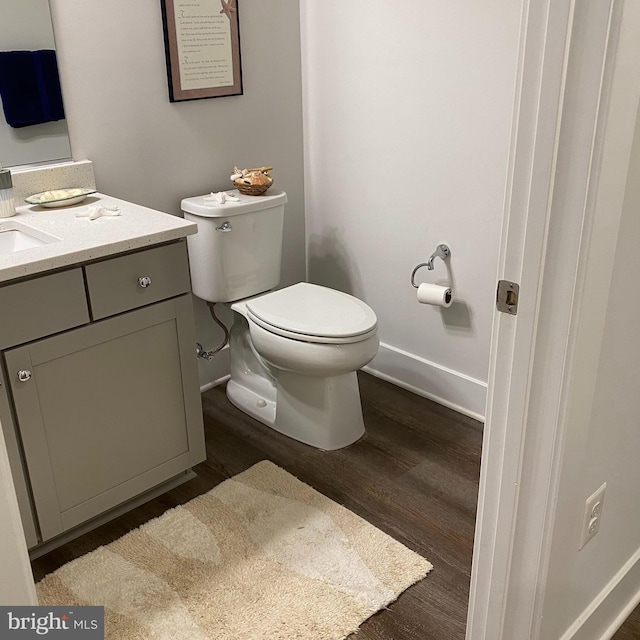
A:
153,152
408,116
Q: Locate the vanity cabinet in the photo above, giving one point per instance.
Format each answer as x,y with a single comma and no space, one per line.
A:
109,406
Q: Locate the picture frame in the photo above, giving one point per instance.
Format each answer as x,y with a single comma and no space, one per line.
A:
202,47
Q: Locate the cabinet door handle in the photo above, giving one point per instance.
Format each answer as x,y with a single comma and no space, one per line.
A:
144,281
24,375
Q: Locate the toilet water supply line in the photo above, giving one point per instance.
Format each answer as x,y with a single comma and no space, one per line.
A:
209,355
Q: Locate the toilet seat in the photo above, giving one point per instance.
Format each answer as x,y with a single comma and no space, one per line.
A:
312,313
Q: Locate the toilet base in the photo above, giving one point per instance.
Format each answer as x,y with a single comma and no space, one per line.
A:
254,404
324,412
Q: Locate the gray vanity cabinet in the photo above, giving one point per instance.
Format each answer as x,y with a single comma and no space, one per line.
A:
110,409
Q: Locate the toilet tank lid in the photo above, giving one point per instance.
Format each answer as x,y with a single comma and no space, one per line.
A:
198,206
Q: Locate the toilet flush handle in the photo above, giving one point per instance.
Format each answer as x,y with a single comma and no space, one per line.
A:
224,227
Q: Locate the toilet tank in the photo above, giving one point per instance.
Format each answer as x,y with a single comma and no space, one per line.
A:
238,248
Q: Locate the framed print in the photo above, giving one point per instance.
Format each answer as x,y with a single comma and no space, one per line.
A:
202,45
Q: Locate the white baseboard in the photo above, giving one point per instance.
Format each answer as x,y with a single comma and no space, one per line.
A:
430,380
613,605
427,379
214,383
214,372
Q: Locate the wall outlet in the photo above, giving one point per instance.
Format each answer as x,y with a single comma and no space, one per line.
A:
592,515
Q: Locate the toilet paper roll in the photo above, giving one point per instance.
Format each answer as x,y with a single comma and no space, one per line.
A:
434,294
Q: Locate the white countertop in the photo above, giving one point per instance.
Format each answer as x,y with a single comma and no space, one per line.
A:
81,239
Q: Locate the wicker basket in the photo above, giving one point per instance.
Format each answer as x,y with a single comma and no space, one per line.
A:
251,189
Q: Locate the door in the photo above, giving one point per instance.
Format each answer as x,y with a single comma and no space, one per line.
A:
107,411
569,167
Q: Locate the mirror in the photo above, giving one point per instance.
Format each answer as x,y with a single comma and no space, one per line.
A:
26,25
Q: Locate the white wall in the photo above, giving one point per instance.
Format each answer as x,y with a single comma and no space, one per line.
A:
407,122
587,588
26,25
153,152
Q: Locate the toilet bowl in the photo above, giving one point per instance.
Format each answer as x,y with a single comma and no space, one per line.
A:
293,352
294,355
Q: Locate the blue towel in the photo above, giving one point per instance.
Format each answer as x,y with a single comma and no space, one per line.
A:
30,87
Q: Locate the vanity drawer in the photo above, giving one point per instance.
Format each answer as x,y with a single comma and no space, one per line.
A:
135,280
41,307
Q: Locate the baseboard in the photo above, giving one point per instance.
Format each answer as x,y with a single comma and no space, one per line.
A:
427,379
214,372
612,606
430,380
214,383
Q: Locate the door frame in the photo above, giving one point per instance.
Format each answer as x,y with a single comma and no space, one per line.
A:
545,246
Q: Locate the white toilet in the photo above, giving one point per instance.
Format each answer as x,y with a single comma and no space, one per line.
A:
294,352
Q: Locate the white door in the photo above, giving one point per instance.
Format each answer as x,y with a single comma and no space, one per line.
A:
580,84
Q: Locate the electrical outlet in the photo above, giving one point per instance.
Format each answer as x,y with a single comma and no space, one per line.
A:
592,515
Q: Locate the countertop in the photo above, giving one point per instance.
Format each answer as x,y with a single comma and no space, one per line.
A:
82,240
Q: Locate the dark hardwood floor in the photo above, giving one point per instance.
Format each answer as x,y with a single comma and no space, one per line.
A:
414,475
630,630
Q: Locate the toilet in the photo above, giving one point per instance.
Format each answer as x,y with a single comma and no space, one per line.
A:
293,352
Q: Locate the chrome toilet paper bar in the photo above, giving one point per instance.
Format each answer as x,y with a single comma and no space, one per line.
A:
442,251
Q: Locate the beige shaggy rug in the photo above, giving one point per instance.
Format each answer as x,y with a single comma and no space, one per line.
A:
260,556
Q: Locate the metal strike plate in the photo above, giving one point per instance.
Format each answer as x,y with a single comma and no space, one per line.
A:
507,297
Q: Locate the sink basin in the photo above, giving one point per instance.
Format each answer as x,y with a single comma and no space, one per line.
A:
15,236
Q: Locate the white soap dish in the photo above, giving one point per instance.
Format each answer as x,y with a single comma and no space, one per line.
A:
59,197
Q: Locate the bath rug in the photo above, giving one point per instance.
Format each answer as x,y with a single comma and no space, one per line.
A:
260,556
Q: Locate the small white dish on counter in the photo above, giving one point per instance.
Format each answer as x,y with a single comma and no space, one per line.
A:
59,197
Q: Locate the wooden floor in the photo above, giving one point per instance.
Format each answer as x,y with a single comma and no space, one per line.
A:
414,475
630,630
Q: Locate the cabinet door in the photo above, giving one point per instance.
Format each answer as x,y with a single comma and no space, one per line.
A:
107,411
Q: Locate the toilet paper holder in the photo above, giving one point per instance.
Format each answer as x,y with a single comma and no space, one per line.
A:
442,251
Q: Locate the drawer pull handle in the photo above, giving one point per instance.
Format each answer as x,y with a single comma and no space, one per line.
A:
24,375
144,281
